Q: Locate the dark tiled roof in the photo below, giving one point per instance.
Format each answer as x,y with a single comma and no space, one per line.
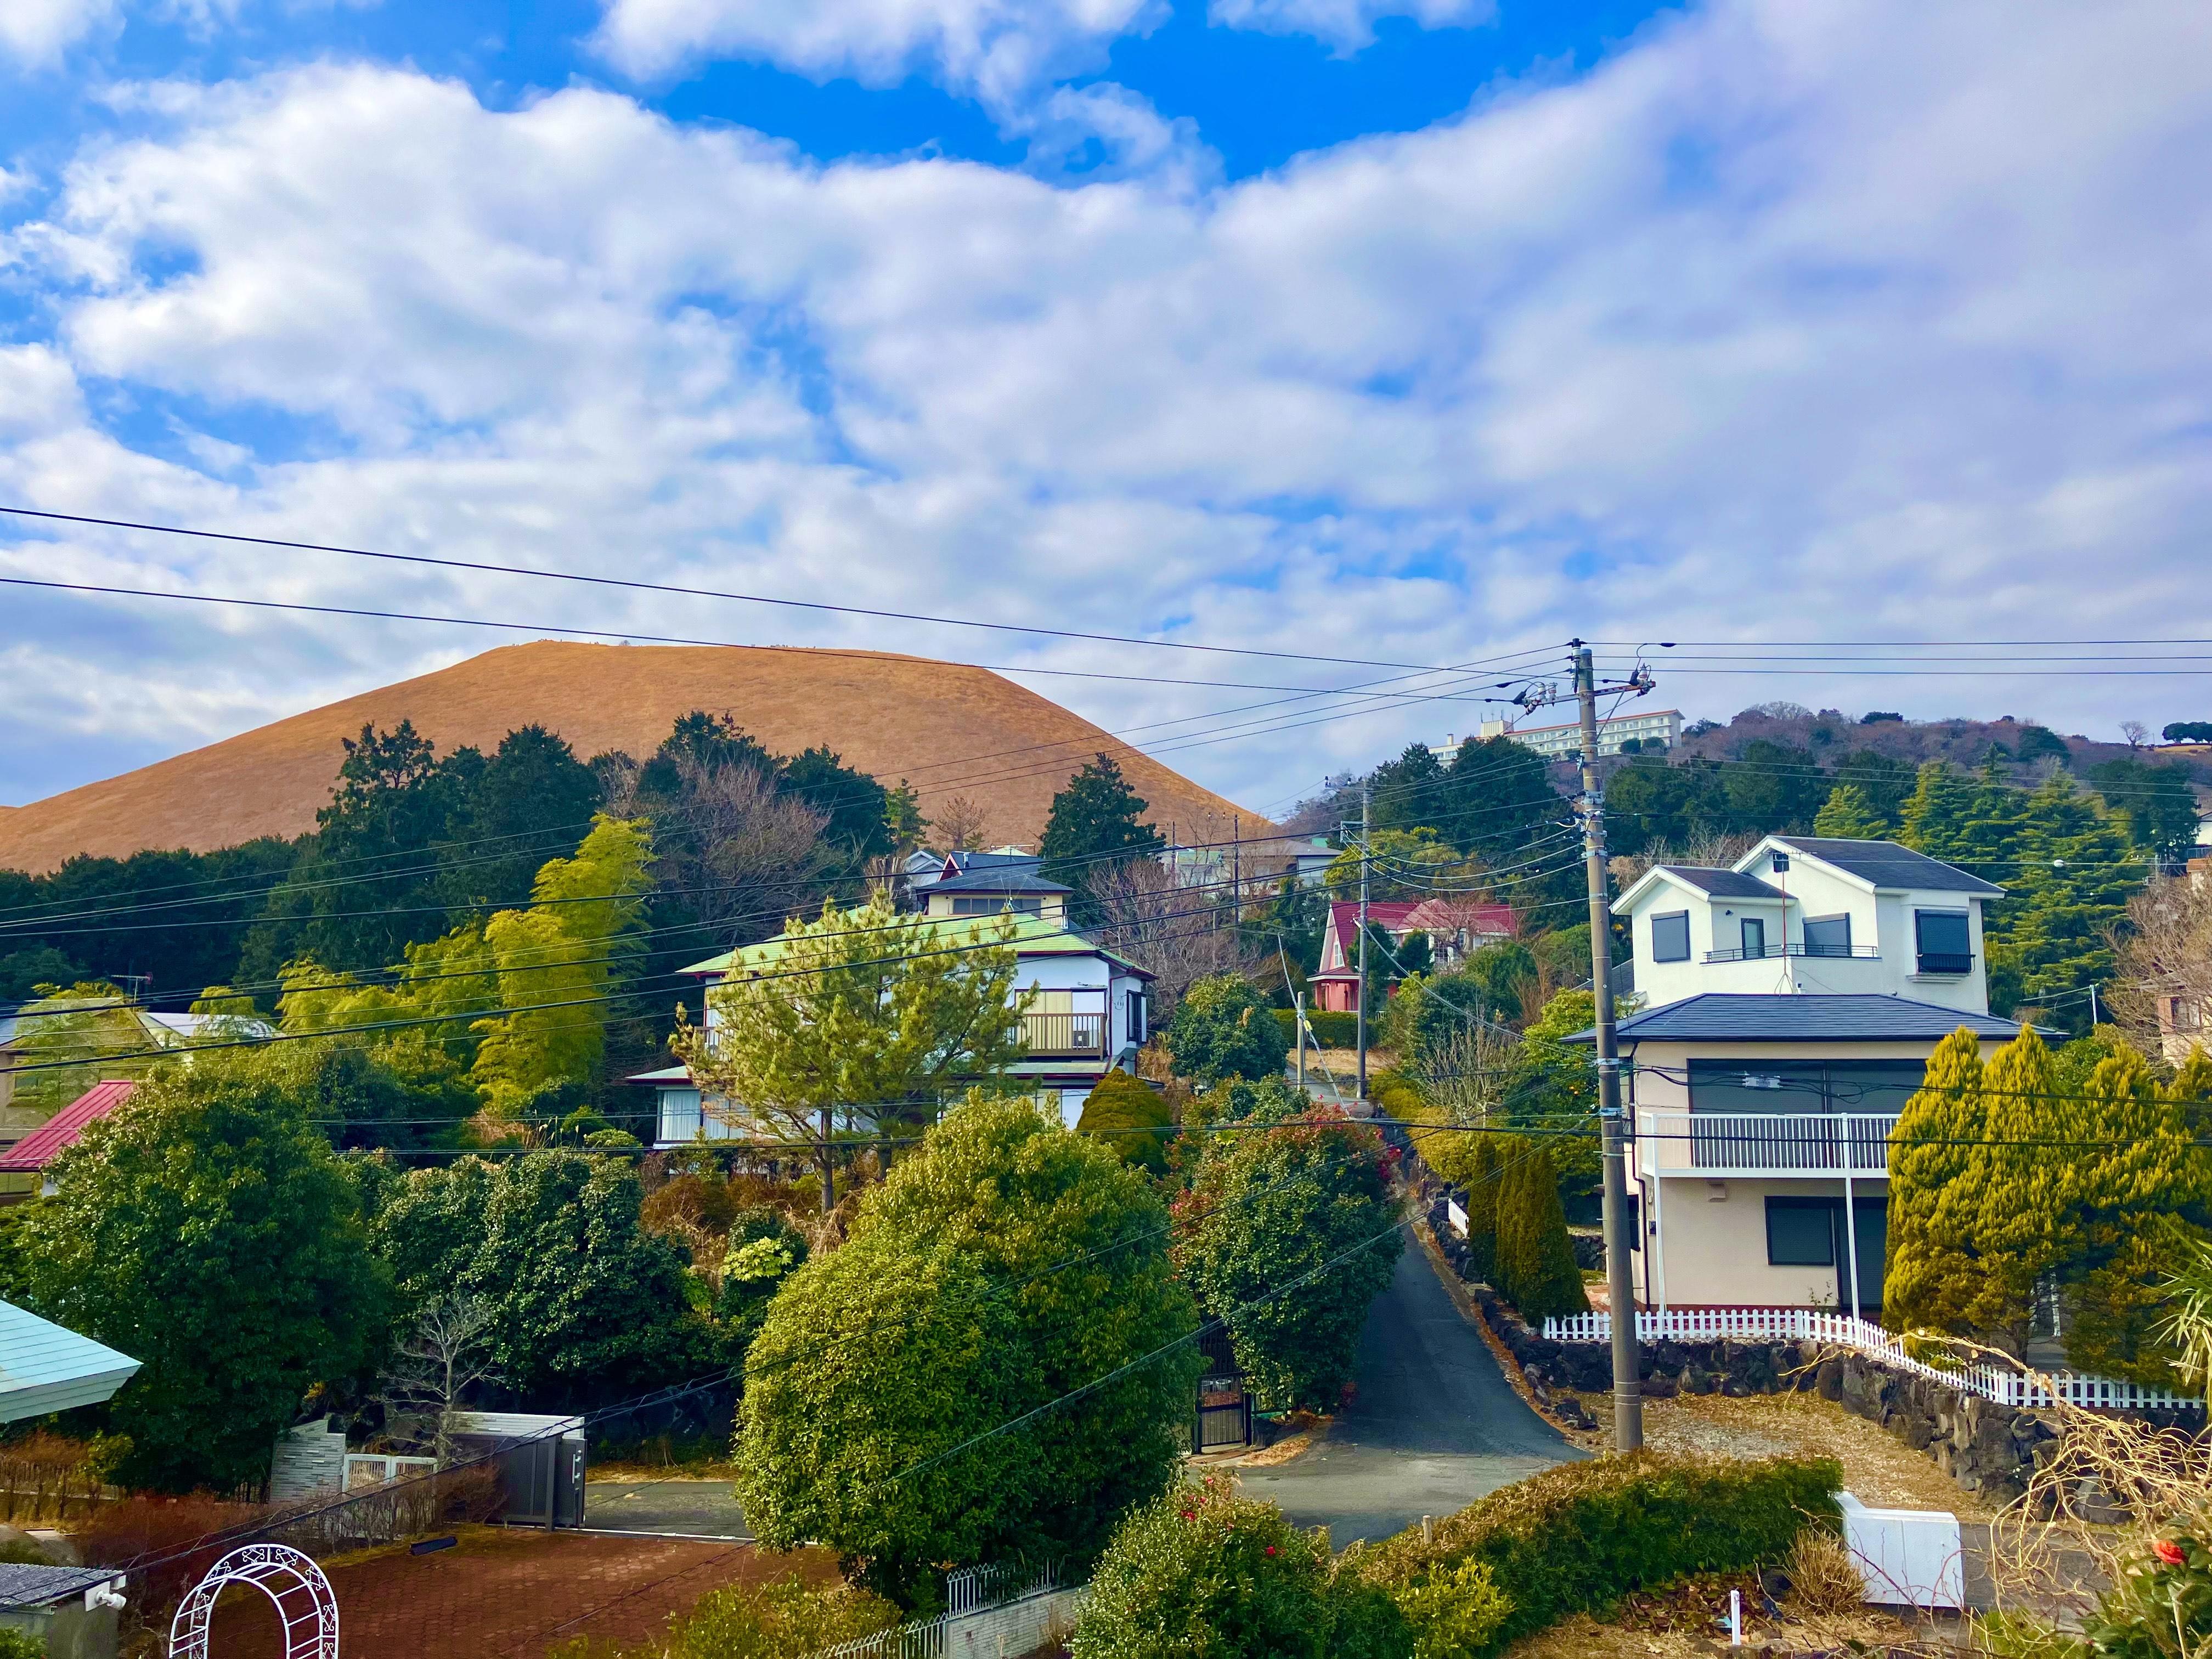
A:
1002,879
1719,1017
1886,864
1722,884
24,1585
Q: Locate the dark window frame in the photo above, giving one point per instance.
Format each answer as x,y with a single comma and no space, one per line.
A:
1744,925
1829,948
1928,961
1682,916
1823,1208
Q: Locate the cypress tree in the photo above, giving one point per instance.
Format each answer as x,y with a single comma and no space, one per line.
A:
1849,814
1932,1266
1937,812
1536,1267
1482,1210
2078,867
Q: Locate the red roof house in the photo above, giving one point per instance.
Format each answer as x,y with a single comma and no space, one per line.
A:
31,1155
1454,925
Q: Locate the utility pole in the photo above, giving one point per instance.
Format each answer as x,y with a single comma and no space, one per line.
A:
1363,941
1620,1290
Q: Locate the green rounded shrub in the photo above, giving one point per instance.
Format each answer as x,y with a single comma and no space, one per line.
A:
1132,1117
1222,1029
1202,1571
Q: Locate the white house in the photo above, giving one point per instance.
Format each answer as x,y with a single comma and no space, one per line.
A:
1082,1013
983,885
1788,1007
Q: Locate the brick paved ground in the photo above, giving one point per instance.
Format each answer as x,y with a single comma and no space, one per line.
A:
511,1594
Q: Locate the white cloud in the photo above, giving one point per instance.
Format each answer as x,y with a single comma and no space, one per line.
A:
36,33
997,49
1794,320
1346,25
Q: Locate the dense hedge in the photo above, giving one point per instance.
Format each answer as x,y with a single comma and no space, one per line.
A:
1333,1028
1578,1538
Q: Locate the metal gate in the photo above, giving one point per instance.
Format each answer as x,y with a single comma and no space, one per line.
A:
1225,1418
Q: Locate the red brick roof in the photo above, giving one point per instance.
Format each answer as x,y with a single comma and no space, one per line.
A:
44,1144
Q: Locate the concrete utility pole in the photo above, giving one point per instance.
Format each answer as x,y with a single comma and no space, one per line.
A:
1627,1384
1363,941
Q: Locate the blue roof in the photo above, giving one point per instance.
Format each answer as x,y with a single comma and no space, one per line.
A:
1723,1016
44,1367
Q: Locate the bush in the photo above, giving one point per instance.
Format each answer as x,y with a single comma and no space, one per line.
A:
1288,1240
17,1645
764,1249
1534,1256
1578,1538
1455,1613
1132,1117
1222,1029
783,1616
2161,1604
1333,1028
1201,1571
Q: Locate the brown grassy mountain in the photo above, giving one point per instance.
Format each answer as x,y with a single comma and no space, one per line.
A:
952,730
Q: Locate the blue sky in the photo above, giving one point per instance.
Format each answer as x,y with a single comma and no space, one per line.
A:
1428,329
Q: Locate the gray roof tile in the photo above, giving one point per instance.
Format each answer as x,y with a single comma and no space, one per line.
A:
1886,864
1720,1016
1722,884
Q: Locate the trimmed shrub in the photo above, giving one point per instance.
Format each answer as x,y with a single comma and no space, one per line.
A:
1578,1538
1455,1613
1201,1571
1536,1257
1333,1028
1132,1117
1223,1028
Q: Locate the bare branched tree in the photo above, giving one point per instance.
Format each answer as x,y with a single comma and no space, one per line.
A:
1708,850
1464,1074
747,833
960,825
1170,924
2161,991
2136,732
448,1353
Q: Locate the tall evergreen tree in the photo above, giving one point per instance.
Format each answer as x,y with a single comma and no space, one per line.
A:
2077,870
2158,803
1849,814
1934,1264
1411,792
1535,1256
1097,819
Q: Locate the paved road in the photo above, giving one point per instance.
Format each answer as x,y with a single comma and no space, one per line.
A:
684,1507
1433,1426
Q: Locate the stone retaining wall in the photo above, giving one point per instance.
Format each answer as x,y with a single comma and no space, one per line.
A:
1985,1447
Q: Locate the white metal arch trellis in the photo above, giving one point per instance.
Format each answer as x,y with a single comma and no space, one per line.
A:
293,1583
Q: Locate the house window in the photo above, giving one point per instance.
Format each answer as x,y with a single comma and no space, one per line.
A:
1827,936
994,906
1801,1232
1134,1015
1945,941
1670,937
2183,1014
1754,939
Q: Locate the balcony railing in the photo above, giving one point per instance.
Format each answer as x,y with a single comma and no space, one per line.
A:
1856,952
1080,1035
1717,1145
1944,962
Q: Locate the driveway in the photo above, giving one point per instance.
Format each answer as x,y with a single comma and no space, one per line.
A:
669,1507
1432,1427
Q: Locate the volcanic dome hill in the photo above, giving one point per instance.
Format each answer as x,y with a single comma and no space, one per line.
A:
950,729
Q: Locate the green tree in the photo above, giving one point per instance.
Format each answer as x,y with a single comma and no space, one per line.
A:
1773,789
869,1397
2076,872
1008,1263
1551,1085
532,797
208,1231
1504,806
1885,780
1288,1238
1095,820
1132,1117
67,1040
764,1249
1534,1256
1202,1571
1849,814
857,1008
856,806
2157,801
1411,792
1223,1028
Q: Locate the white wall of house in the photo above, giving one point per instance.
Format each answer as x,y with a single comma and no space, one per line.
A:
1881,920
1048,907
1713,1243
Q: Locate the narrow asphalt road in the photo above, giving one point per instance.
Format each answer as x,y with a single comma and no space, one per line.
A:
1433,1425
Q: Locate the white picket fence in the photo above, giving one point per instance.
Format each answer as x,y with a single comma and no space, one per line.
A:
1829,1330
990,1611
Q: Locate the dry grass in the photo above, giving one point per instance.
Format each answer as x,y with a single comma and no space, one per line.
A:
1824,1578
892,715
1686,1620
1879,1469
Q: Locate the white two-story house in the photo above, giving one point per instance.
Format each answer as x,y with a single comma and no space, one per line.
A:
1788,1006
1083,1011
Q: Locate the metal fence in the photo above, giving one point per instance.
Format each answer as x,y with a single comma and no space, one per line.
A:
1862,1336
1009,1606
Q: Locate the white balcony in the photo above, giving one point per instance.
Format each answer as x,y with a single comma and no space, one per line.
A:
1719,1146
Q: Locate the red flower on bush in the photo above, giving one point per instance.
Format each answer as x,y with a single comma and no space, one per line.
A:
2169,1552
1271,1549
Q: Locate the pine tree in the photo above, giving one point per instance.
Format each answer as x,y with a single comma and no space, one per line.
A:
1096,819
1536,1269
1849,814
1937,812
2078,867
